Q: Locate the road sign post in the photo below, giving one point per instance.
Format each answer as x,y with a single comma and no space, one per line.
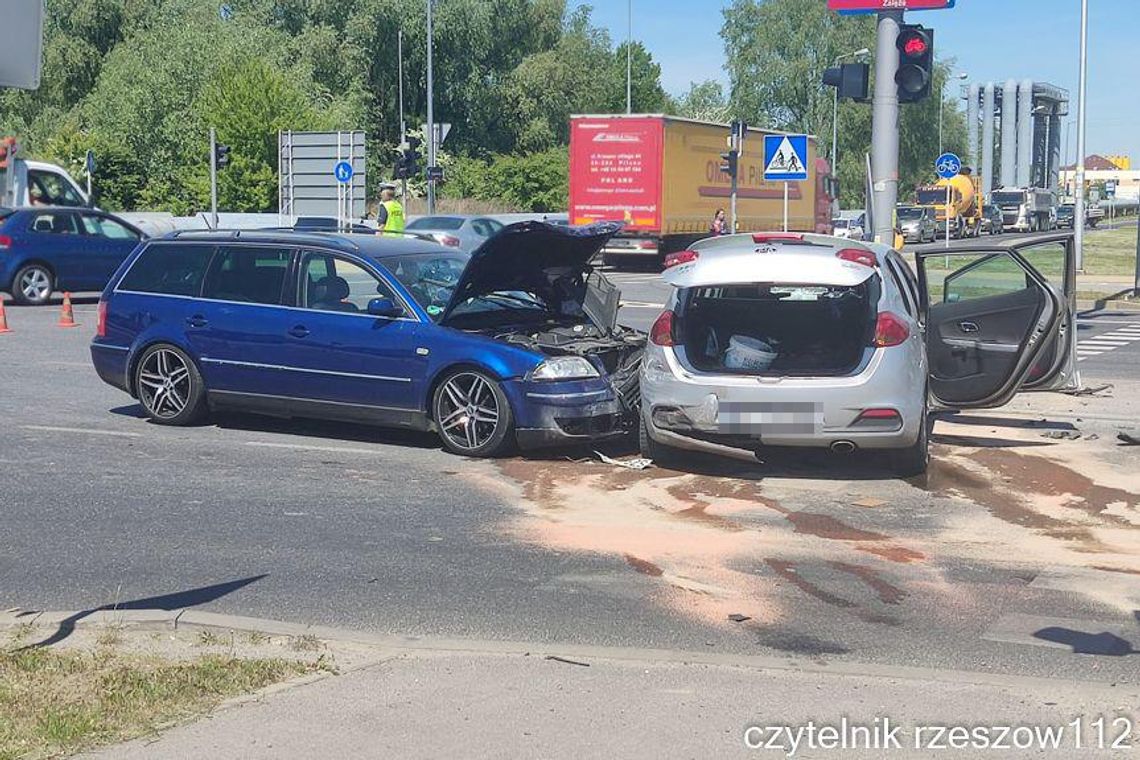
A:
89,166
343,172
785,160
213,178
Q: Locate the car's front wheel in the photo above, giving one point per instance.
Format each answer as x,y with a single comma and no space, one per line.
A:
473,415
169,386
33,285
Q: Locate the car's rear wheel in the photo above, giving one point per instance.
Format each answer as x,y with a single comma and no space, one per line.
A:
33,285
473,415
169,386
661,454
915,459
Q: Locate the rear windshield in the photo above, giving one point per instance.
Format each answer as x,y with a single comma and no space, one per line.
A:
840,224
436,223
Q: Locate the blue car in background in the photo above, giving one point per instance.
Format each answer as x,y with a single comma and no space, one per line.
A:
44,249
515,343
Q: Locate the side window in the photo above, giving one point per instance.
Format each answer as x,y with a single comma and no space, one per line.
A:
57,223
101,226
982,276
174,269
330,283
248,274
51,189
1049,259
902,286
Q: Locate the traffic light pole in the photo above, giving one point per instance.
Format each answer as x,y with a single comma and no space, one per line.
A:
213,178
403,124
732,198
885,127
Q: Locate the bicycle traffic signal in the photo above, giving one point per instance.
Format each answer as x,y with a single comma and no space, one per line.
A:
731,163
916,62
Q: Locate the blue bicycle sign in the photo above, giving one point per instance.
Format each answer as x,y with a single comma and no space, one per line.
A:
948,165
343,171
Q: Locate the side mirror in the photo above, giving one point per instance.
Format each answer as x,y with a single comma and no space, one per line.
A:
385,307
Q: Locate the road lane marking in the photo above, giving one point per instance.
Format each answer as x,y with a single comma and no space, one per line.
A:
87,431
307,447
642,305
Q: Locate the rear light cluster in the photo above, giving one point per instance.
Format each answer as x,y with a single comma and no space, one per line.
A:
101,320
878,419
661,334
448,240
858,256
680,257
5,242
779,237
645,245
890,330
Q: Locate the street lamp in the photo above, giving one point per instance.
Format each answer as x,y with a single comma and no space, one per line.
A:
861,53
629,63
1079,188
941,98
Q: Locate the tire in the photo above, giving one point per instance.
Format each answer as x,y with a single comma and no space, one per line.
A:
464,394
915,459
169,386
33,285
661,454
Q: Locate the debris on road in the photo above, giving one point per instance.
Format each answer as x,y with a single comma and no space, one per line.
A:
639,463
556,658
1092,390
868,502
736,617
1069,435
1127,440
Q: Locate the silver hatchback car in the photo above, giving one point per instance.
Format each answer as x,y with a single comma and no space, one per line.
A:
779,339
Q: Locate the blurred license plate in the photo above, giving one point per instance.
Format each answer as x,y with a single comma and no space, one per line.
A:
769,418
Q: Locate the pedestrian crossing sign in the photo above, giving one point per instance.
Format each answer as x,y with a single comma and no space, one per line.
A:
785,157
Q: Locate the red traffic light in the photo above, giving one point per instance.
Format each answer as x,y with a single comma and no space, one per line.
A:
915,46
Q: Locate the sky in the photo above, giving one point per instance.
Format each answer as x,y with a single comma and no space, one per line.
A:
991,40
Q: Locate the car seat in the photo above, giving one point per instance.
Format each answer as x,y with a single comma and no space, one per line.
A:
328,294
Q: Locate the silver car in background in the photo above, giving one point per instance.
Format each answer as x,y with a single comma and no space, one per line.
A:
779,339
456,230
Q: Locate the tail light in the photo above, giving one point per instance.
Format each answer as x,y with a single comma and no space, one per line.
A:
645,245
449,240
777,237
5,242
680,257
890,330
661,334
101,320
857,255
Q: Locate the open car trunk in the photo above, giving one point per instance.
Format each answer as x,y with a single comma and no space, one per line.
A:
778,329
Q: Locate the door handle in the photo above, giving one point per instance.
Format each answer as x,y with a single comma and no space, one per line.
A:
299,331
968,327
197,321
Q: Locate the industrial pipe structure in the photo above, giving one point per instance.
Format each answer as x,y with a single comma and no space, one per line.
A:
988,111
1009,134
1022,177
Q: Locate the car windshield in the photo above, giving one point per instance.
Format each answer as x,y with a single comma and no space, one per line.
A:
1065,210
1005,198
840,224
909,214
436,223
429,277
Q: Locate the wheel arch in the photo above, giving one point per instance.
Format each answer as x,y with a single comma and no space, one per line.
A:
448,369
29,262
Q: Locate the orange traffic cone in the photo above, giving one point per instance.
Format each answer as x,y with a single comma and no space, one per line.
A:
67,316
3,319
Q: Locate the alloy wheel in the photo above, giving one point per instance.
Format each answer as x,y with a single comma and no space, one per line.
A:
467,411
164,383
35,284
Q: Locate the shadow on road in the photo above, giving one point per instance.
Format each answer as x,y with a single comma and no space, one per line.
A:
176,601
1107,644
325,429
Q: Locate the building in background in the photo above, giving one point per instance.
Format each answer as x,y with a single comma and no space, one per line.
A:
1100,170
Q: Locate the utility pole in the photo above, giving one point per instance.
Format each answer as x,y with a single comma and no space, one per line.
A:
885,127
1079,189
403,124
430,136
213,178
629,63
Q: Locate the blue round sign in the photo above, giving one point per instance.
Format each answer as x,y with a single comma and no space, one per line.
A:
343,171
948,165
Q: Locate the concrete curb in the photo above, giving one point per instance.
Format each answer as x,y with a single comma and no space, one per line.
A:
391,647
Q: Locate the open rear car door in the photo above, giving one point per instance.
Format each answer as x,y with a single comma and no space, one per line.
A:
999,320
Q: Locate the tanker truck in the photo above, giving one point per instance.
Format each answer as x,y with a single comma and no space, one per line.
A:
965,209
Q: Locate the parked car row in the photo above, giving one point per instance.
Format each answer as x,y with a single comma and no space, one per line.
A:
767,339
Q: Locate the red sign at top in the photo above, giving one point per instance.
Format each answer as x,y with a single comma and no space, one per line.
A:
871,6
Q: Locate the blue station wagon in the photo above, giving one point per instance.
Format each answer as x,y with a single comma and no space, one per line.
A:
517,342
44,249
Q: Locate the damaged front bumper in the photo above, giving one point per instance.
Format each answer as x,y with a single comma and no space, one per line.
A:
563,413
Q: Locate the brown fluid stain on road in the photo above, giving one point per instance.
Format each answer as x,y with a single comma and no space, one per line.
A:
888,593
703,538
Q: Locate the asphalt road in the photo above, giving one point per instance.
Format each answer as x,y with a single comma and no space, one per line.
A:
354,527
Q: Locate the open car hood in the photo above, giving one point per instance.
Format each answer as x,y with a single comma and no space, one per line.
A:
532,257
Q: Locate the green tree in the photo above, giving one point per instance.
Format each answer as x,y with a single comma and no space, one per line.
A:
648,95
705,101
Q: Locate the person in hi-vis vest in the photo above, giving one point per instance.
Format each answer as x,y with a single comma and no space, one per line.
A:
390,214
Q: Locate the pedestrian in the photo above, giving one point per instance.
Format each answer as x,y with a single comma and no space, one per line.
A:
390,213
718,224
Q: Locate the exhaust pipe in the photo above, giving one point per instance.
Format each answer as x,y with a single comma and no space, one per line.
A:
842,447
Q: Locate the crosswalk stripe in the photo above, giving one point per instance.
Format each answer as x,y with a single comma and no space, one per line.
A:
1104,342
